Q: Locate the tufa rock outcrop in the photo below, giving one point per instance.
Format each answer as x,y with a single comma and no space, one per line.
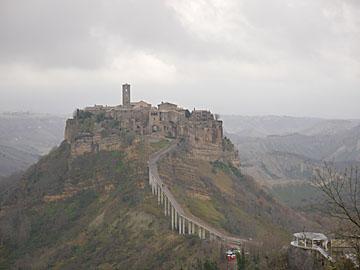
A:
107,128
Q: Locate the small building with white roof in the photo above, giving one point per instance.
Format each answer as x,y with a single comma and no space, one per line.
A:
310,240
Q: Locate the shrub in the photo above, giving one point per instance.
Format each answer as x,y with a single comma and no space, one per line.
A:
82,115
100,117
227,145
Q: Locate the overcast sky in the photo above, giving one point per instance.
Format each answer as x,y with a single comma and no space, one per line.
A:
249,57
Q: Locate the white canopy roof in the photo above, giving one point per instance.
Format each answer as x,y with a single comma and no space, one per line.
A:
311,236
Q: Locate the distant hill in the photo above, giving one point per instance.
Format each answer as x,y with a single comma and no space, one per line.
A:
278,151
341,146
24,137
262,126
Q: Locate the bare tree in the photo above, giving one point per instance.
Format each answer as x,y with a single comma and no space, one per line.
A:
342,195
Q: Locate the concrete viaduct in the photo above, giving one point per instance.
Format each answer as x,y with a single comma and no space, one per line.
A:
181,221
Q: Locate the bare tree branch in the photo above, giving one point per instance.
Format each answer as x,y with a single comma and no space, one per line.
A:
341,191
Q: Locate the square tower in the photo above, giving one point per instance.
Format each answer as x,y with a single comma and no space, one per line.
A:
126,95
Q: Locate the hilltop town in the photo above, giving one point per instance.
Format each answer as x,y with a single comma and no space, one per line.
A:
101,127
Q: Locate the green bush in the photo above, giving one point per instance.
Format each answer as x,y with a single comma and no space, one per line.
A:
87,125
225,167
82,115
100,117
209,265
227,145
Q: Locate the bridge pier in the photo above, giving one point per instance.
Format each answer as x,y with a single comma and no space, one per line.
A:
182,225
176,219
168,207
158,193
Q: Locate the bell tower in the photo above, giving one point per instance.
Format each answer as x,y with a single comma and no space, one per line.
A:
126,95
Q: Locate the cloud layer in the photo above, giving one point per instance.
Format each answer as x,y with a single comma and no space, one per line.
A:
235,57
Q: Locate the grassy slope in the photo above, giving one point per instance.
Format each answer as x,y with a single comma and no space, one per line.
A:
94,212
297,195
227,200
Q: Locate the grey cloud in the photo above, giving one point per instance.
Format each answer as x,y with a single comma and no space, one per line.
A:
254,57
59,33
50,33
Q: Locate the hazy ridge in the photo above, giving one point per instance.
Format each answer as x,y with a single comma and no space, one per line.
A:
282,152
24,137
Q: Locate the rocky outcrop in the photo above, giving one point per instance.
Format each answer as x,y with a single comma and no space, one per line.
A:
94,137
205,140
108,128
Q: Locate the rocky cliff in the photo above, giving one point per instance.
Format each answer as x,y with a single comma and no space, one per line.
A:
90,132
87,134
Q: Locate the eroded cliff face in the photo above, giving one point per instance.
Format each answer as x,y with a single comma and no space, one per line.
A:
89,136
207,143
201,132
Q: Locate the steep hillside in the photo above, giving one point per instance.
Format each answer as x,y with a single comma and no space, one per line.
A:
219,194
12,160
274,168
286,162
24,137
92,212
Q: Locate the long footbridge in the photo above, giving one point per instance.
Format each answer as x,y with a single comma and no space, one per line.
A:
181,221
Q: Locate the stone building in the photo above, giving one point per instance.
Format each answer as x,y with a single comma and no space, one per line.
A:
202,132
126,95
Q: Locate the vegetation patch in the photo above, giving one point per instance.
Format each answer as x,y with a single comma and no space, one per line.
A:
55,217
298,196
225,167
161,144
206,210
